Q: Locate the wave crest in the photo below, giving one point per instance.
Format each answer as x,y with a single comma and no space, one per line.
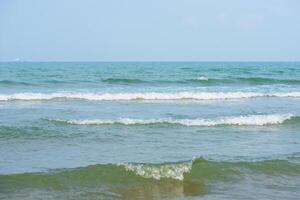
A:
138,181
173,171
144,96
201,78
251,120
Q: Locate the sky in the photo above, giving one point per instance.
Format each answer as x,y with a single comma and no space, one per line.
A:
149,30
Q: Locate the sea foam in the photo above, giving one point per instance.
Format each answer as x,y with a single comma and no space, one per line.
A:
173,170
250,120
144,96
202,78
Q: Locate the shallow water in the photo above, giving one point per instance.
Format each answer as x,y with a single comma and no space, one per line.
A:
150,130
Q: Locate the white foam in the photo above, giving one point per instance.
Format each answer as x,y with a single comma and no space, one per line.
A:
202,78
250,120
173,171
144,96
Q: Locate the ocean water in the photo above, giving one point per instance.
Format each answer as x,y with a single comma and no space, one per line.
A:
150,130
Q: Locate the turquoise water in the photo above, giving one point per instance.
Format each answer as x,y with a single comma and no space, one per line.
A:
150,130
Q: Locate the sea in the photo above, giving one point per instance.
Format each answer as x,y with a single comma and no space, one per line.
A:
149,130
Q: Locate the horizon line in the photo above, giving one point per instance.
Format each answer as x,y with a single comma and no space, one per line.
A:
116,61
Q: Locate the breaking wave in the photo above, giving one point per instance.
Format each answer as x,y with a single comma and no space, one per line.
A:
145,96
201,78
139,180
174,170
251,120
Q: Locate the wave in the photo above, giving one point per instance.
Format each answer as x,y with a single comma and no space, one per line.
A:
163,171
146,96
243,80
199,168
209,81
122,81
201,78
57,81
251,120
9,82
141,180
263,80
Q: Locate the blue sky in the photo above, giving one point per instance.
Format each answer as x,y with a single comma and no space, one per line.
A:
129,30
